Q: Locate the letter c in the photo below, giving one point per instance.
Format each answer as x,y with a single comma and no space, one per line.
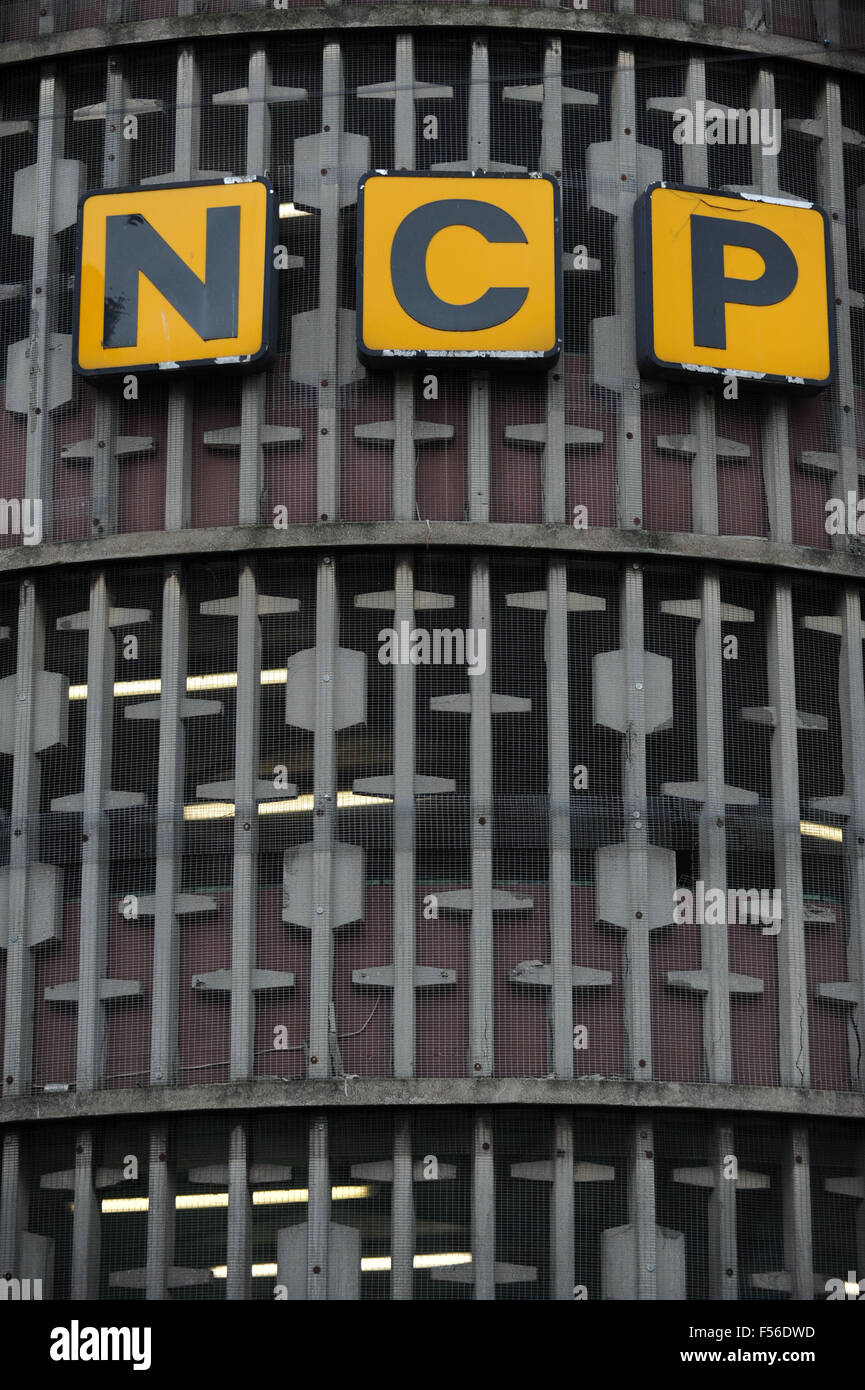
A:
408,265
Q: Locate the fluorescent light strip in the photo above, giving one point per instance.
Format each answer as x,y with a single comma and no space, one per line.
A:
224,810
207,1201
821,832
289,210
369,1264
214,680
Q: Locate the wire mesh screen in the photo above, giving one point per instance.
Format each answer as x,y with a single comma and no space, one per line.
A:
477,795
521,1204
94,461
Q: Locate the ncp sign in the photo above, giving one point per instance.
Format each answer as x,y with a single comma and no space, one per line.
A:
175,277
733,284
455,266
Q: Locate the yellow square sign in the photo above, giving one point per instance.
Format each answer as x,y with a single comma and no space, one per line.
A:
175,277
453,266
733,284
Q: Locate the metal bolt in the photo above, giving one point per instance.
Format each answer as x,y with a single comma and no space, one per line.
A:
650,1268
477,1066
157,1075
319,910
636,815
326,678
327,557
636,386
638,685
314,1059
13,939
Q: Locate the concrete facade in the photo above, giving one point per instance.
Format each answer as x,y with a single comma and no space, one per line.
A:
405,933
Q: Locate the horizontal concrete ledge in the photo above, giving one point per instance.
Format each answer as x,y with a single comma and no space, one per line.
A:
333,18
350,1092
336,535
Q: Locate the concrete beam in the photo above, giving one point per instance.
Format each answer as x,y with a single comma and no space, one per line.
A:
346,1093
599,540
407,16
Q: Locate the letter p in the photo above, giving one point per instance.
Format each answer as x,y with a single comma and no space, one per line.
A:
713,290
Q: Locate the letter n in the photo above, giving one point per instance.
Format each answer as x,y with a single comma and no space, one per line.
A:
134,248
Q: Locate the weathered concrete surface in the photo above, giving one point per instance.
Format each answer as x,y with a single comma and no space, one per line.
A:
342,1093
405,17
600,540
